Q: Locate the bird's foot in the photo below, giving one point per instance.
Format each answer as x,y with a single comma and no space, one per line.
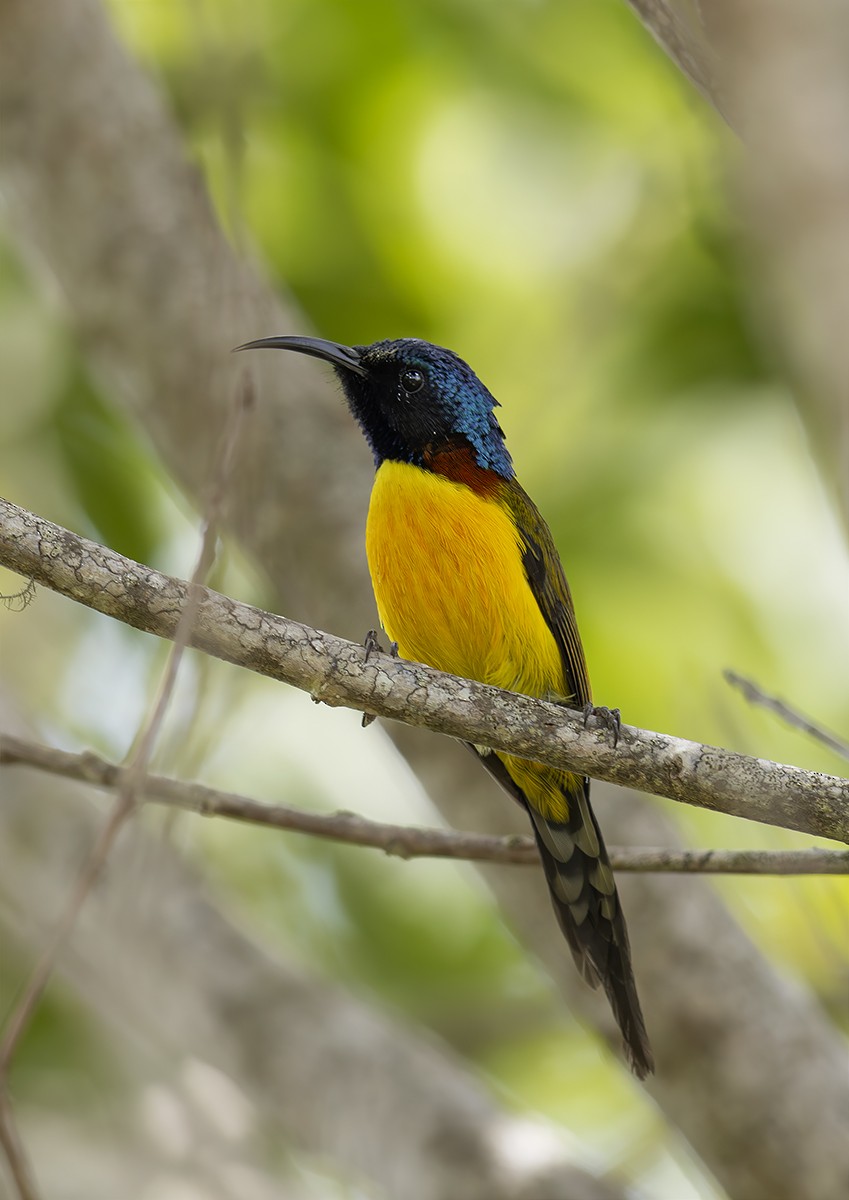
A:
372,645
371,642
611,718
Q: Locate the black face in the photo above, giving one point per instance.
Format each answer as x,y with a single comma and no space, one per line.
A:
411,399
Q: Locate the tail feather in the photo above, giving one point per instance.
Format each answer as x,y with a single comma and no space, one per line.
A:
583,893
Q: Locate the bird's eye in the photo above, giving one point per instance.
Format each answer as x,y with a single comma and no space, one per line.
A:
412,380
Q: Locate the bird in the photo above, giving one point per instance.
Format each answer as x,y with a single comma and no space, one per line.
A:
467,580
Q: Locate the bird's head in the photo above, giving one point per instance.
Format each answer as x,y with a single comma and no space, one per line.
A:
412,400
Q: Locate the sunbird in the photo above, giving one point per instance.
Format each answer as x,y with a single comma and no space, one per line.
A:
467,580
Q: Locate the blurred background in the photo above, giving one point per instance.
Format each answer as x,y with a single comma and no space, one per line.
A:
538,187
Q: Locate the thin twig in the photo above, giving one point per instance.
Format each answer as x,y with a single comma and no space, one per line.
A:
21,1015
130,786
18,601
405,841
336,672
13,1148
792,716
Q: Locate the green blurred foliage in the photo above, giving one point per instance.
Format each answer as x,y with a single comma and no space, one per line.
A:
108,470
64,1065
534,185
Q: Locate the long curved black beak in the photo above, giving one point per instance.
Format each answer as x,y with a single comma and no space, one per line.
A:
332,352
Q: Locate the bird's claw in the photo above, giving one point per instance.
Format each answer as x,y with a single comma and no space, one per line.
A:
611,718
371,642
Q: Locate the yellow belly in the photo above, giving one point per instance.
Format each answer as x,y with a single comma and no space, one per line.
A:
451,590
446,566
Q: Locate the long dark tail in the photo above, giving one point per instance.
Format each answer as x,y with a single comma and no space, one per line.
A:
583,892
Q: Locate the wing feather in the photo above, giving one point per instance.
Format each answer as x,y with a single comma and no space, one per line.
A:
550,588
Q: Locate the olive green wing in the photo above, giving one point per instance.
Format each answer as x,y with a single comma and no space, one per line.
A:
547,581
577,869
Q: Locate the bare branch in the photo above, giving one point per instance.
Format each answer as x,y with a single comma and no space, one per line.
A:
777,71
792,716
685,45
18,601
130,788
153,293
330,1074
336,672
16,1156
406,841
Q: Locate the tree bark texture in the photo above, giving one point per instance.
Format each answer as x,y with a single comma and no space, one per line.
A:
336,672
98,192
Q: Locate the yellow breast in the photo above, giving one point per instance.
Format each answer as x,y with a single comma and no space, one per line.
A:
451,590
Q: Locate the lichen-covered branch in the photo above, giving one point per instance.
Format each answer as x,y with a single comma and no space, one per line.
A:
337,672
106,206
